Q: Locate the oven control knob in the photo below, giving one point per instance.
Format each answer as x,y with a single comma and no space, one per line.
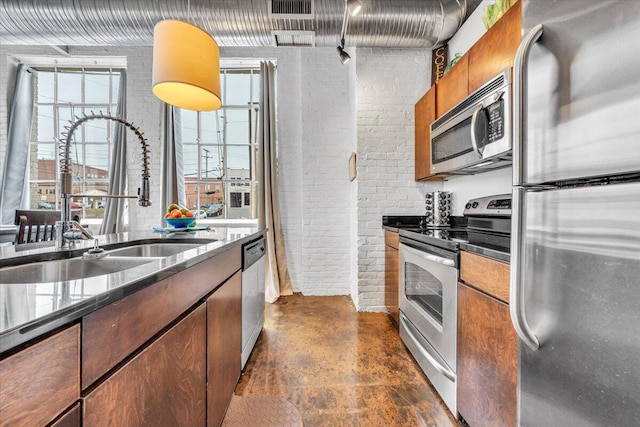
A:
467,206
474,205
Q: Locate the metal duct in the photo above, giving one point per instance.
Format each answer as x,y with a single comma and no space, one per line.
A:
384,23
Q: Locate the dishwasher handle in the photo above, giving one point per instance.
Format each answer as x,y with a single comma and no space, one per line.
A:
252,252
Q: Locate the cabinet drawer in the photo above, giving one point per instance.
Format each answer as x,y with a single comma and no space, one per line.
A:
40,382
112,333
486,274
391,239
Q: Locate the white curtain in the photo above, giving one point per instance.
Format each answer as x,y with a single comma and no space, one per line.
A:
277,281
14,186
113,221
172,183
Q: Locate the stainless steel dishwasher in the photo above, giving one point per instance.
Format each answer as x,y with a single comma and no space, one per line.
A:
253,262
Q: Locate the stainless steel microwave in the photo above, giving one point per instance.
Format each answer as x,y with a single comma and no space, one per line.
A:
475,135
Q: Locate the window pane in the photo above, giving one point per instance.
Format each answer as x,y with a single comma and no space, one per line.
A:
189,122
211,161
96,88
235,200
190,161
43,195
238,159
237,126
77,161
64,118
44,124
69,87
247,199
238,87
45,87
115,88
97,161
95,130
255,81
44,165
211,127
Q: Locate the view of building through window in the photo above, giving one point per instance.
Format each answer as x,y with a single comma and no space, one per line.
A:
219,149
60,95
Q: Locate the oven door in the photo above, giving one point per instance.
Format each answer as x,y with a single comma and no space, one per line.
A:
428,295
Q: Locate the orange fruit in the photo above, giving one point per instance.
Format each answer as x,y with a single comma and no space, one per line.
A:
189,214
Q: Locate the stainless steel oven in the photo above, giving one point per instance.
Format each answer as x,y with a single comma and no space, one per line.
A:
475,135
428,312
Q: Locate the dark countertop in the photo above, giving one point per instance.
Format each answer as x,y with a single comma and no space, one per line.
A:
487,251
29,310
395,223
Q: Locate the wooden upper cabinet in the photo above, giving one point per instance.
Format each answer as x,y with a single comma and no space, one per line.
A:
453,86
425,114
496,49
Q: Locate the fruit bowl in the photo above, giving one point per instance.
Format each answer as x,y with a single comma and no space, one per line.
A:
180,222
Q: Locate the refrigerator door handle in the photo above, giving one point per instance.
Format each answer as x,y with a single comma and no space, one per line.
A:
520,100
516,303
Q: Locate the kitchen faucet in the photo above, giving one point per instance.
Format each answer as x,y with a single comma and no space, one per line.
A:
68,230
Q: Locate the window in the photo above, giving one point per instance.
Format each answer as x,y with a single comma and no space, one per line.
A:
219,149
62,93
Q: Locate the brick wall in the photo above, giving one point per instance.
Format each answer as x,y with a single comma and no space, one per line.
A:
389,83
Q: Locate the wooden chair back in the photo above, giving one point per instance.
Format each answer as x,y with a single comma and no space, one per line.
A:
35,225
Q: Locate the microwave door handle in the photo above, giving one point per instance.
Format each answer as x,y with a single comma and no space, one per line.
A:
520,64
474,120
434,258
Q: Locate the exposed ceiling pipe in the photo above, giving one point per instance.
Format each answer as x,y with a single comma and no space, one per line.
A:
383,23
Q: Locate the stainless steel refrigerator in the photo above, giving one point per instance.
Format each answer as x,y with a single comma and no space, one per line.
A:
575,272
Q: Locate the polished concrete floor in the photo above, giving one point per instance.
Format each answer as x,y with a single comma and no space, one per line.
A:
339,367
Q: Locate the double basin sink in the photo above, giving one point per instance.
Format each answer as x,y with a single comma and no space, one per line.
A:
78,267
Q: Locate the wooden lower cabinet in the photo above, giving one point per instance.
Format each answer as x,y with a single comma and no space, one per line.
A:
224,345
487,360
73,418
164,385
40,382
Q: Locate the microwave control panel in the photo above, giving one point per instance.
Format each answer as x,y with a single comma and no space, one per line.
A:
495,115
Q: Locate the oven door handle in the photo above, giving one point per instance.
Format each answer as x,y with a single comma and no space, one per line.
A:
430,257
448,373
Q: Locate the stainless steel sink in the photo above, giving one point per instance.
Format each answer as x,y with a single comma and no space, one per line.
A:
68,269
153,249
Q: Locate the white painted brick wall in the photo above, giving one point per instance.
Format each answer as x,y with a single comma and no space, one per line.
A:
389,83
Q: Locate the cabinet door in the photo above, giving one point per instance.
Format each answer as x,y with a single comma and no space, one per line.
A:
487,360
73,418
391,282
164,385
453,86
496,49
425,114
224,345
38,383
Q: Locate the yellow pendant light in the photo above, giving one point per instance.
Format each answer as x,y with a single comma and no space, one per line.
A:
186,66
